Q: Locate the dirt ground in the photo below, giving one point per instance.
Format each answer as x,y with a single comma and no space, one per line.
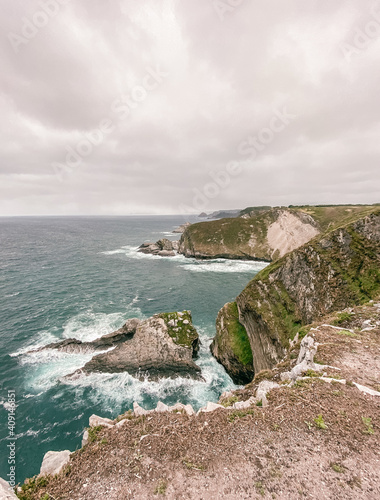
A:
313,440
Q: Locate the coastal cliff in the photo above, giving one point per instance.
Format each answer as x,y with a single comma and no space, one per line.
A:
338,269
263,233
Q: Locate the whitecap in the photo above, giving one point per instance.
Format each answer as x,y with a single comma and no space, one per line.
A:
196,265
114,252
224,266
28,433
42,339
132,253
12,295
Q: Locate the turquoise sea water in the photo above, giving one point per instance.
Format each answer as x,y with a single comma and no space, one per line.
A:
81,277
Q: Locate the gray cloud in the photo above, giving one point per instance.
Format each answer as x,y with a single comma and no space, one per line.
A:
174,136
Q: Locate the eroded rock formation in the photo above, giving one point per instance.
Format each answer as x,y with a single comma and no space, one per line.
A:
161,346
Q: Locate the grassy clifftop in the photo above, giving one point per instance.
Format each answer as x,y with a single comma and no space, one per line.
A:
263,233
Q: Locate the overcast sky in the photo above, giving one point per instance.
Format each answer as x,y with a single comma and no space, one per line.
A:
172,106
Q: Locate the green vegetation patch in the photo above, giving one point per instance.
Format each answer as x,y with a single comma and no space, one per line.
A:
342,318
241,237
180,328
320,423
368,426
236,414
31,486
346,333
93,433
192,465
229,401
239,340
337,468
161,487
329,217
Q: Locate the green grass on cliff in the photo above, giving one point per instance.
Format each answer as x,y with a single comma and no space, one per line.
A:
183,334
227,237
330,217
239,340
247,237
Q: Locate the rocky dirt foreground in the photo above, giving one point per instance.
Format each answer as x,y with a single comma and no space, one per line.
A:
315,435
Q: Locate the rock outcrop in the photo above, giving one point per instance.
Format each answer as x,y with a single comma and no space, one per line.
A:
338,269
163,346
180,229
54,461
163,248
6,492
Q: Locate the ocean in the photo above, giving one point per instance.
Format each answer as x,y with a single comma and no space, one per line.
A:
82,277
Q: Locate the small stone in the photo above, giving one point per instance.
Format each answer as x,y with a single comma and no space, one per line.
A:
54,461
95,421
139,411
85,438
161,407
210,407
121,423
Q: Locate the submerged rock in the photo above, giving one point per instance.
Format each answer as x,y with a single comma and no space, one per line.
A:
156,350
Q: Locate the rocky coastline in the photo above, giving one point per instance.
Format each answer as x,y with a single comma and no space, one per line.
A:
303,341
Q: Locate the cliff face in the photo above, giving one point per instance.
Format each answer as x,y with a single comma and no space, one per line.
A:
231,346
333,271
263,233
